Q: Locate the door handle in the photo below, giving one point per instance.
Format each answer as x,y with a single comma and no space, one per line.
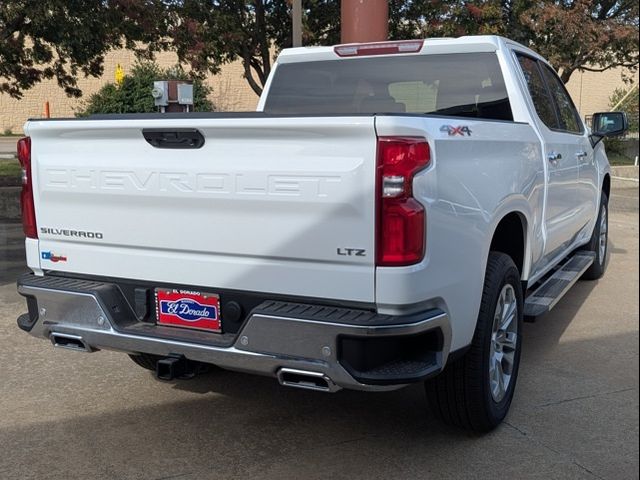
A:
581,154
553,157
173,137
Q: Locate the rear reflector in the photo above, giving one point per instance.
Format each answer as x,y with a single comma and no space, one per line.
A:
378,48
26,196
401,218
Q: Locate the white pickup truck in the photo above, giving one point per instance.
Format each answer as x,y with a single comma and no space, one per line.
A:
390,214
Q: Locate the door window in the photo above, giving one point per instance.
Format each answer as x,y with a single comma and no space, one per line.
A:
569,116
542,101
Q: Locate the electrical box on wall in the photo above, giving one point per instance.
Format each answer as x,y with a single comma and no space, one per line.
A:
173,95
185,94
160,93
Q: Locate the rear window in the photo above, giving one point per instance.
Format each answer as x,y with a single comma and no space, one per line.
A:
465,85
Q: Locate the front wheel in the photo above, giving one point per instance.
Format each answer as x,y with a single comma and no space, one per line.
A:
475,391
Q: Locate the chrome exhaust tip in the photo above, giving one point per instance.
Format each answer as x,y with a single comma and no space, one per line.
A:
319,382
70,342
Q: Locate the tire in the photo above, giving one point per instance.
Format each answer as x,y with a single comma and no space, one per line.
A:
464,395
146,360
600,234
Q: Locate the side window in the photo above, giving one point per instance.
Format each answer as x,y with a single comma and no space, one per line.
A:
569,116
538,91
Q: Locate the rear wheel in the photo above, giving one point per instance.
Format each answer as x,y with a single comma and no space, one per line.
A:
475,391
599,242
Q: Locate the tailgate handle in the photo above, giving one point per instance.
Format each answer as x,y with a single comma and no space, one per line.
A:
173,138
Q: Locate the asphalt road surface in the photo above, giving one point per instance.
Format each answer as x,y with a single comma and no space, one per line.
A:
68,415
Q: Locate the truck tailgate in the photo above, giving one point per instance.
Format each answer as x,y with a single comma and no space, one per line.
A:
264,205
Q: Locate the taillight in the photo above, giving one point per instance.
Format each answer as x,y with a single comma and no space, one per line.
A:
401,218
378,48
26,196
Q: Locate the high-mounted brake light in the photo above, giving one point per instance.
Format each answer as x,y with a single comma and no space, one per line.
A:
378,48
26,196
401,218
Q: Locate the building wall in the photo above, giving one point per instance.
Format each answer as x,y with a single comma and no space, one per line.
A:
591,90
231,92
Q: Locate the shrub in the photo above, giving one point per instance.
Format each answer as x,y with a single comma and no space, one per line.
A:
619,146
134,94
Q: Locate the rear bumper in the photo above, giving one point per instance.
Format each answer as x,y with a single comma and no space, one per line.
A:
351,348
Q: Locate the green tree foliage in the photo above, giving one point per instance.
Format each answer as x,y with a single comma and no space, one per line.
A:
209,33
134,94
592,35
62,39
619,101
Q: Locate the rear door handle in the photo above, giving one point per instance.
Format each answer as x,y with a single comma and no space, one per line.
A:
173,137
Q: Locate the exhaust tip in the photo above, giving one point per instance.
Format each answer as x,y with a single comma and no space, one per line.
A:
70,342
319,382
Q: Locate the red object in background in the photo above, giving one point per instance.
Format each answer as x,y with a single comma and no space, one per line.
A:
364,21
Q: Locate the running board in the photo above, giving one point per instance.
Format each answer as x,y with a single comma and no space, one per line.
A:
553,289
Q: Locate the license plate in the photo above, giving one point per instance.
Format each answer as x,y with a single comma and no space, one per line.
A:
187,309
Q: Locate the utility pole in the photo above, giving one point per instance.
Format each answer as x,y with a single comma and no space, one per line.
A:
296,18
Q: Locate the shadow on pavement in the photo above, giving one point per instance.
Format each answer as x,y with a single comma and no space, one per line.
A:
12,255
253,428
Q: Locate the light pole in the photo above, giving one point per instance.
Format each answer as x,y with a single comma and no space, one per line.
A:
296,18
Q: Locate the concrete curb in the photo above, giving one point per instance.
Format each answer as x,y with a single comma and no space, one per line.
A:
625,172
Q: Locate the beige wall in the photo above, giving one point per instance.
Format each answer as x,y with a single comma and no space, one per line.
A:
589,90
230,92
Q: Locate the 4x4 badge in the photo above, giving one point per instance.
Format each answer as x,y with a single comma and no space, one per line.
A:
452,131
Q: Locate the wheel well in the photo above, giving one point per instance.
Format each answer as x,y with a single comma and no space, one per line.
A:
509,238
606,185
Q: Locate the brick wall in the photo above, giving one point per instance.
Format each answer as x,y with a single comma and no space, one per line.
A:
230,92
591,90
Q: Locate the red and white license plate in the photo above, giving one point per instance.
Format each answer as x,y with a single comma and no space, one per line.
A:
182,308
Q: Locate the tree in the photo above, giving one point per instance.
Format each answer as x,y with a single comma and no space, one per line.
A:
592,35
62,39
207,34
626,100
583,34
133,95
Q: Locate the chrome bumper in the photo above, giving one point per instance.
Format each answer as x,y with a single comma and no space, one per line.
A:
265,345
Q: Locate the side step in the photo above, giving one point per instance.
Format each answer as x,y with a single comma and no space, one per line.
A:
545,297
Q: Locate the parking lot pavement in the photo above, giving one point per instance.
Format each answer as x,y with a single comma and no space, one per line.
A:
575,415
8,145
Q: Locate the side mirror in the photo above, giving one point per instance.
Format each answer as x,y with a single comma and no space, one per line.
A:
609,124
